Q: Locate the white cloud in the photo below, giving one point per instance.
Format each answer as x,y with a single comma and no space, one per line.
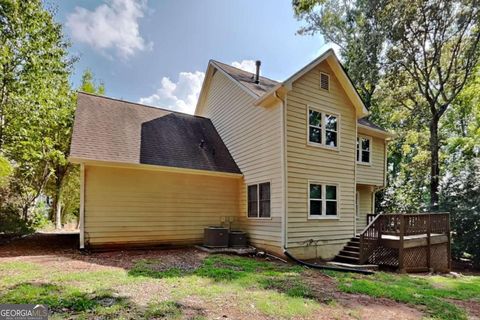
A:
247,65
179,96
183,95
112,25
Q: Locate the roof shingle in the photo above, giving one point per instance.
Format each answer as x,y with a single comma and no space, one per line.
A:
118,131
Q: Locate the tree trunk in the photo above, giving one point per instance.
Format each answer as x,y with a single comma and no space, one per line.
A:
25,212
434,166
58,215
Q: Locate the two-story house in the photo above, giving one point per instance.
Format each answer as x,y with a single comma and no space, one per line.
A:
295,164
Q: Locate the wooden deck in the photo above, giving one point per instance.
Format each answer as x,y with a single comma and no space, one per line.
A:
409,242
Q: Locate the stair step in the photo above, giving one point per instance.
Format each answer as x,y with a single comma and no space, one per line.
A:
352,248
349,253
342,258
355,239
353,244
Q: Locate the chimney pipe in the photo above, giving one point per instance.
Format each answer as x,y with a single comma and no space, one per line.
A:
257,73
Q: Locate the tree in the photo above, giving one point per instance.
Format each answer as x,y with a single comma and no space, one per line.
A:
65,174
90,85
34,85
436,43
426,52
355,26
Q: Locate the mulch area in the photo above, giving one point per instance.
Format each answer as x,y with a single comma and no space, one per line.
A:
62,248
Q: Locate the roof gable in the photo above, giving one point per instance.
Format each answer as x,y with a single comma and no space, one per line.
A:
267,87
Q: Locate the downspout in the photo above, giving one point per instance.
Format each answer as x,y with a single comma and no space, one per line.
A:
284,170
355,179
82,206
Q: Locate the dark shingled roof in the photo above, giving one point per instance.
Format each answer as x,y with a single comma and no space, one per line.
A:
247,79
367,122
118,131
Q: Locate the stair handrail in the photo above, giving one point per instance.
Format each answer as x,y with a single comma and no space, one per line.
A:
369,241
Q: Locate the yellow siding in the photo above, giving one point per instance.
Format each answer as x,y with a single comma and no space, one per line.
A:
365,194
307,162
253,135
373,174
130,206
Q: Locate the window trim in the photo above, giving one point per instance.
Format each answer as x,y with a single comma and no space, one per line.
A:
258,200
323,129
359,161
320,81
324,216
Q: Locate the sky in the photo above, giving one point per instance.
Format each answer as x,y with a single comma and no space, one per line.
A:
156,52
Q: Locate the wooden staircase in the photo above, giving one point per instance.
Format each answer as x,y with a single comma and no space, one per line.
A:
350,253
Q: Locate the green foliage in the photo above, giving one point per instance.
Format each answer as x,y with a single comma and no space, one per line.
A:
11,222
353,26
89,84
5,171
461,197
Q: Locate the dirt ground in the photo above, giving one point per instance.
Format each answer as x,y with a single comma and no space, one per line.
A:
59,251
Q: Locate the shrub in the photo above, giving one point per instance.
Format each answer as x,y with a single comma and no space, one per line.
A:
11,222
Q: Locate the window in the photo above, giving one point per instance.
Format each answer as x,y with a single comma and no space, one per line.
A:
322,200
259,200
324,81
317,121
363,149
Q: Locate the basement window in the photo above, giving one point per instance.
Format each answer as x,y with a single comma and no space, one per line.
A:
322,201
259,200
364,145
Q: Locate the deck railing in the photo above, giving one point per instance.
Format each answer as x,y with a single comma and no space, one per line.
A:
401,226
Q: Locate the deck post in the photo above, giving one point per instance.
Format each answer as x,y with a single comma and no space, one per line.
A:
429,249
401,262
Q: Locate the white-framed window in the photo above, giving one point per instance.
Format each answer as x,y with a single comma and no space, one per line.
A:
323,128
258,200
364,149
325,81
322,200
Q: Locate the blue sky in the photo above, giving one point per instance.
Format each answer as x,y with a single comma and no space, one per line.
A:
156,52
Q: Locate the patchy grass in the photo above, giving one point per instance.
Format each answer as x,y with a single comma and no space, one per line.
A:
236,286
430,293
164,309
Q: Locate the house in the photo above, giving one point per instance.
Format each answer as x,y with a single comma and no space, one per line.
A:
296,164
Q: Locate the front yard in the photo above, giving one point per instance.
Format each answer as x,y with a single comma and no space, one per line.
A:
189,284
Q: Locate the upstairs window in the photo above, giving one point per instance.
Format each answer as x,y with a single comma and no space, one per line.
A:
324,81
364,145
259,200
322,128
322,199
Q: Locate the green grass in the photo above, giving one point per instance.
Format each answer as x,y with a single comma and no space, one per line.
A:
267,289
430,292
164,309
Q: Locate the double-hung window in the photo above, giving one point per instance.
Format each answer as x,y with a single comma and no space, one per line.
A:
259,200
322,200
364,145
322,128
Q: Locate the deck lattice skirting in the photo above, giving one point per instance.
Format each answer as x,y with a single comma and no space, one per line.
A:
410,242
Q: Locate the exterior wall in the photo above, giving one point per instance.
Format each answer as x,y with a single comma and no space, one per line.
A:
365,201
306,162
135,206
373,174
253,135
